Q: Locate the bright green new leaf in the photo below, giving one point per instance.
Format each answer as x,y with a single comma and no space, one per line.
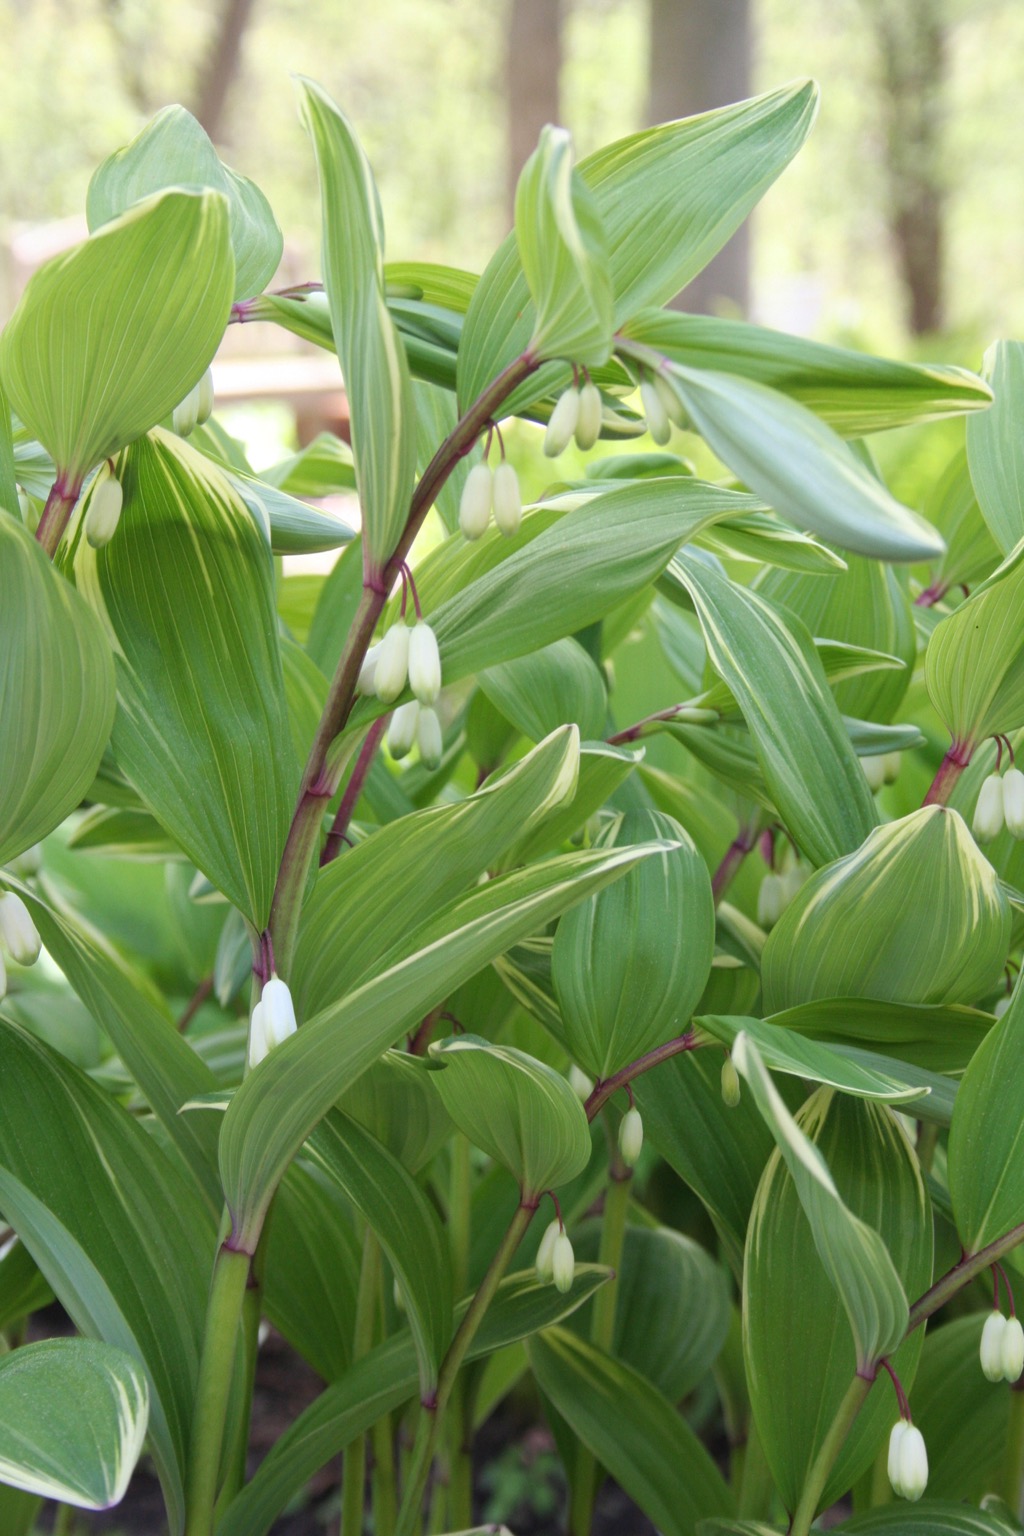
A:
321,468
601,772
185,591
56,693
915,915
971,551
855,1257
538,691
523,1114
291,528
785,1051
974,665
8,480
631,1429
373,362
73,1417
109,337
630,964
562,249
994,449
174,150
986,1171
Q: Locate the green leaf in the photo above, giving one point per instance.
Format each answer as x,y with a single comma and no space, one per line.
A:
73,1417
174,150
56,693
523,1114
8,476
994,450
321,468
856,1259
932,1517
937,1038
963,1417
395,1101
23,1289
601,772
785,1051
185,591
291,527
986,1173
408,1228
920,912
372,357
110,336
556,683
971,552
311,1278
974,665
277,1106
562,250
631,1429
854,393
380,1382
772,669
630,964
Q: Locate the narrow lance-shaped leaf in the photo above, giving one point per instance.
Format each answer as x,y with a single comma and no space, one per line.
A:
995,452
785,1051
986,1170
974,665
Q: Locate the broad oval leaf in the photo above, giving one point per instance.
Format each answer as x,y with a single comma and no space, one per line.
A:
937,1039
395,1102
174,150
864,1234
521,1112
109,337
185,591
986,1170
56,693
630,964
994,450
546,687
915,915
73,1416
932,1517
974,665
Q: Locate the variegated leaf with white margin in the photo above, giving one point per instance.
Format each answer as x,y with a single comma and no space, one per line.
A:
783,1050
73,1416
974,664
995,450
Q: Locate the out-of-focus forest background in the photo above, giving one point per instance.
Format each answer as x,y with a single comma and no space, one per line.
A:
902,218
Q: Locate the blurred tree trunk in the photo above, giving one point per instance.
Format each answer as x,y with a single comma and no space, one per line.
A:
910,41
221,65
699,58
533,64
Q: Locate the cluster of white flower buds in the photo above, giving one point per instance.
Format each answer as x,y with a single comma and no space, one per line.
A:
272,1021
881,769
18,935
1002,1348
908,1461
490,490
577,414
196,408
408,655
103,513
1000,803
778,888
555,1259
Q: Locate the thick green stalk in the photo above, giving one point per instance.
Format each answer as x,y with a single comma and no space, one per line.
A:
817,1477
227,1291
460,1464
385,1475
1013,1461
252,1311
353,1476
431,1412
56,514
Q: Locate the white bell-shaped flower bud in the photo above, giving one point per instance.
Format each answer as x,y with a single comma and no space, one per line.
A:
899,1429
475,502
402,729
730,1084
18,931
257,1037
278,1012
992,1346
368,671
563,1262
204,398
28,863
508,504
793,881
562,423
545,1272
891,762
631,1137
428,738
913,1464
658,424
104,511
581,1085
1013,1349
988,813
770,900
874,772
424,663
391,665
675,410
588,420
1001,1006
185,416
1013,801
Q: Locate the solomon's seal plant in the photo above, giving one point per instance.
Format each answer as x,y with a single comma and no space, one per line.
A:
675,917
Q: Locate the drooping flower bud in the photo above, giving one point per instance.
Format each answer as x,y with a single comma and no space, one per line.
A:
257,1037
28,863
391,665
475,502
631,1137
104,511
204,398
18,931
185,416
278,1012
874,772
562,423
1013,1349
770,900
992,1346
899,1429
563,1262
402,730
581,1085
588,422
368,671
730,1084
675,410
1013,801
912,1465
545,1272
891,762
988,813
508,504
424,663
792,881
658,424
429,738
